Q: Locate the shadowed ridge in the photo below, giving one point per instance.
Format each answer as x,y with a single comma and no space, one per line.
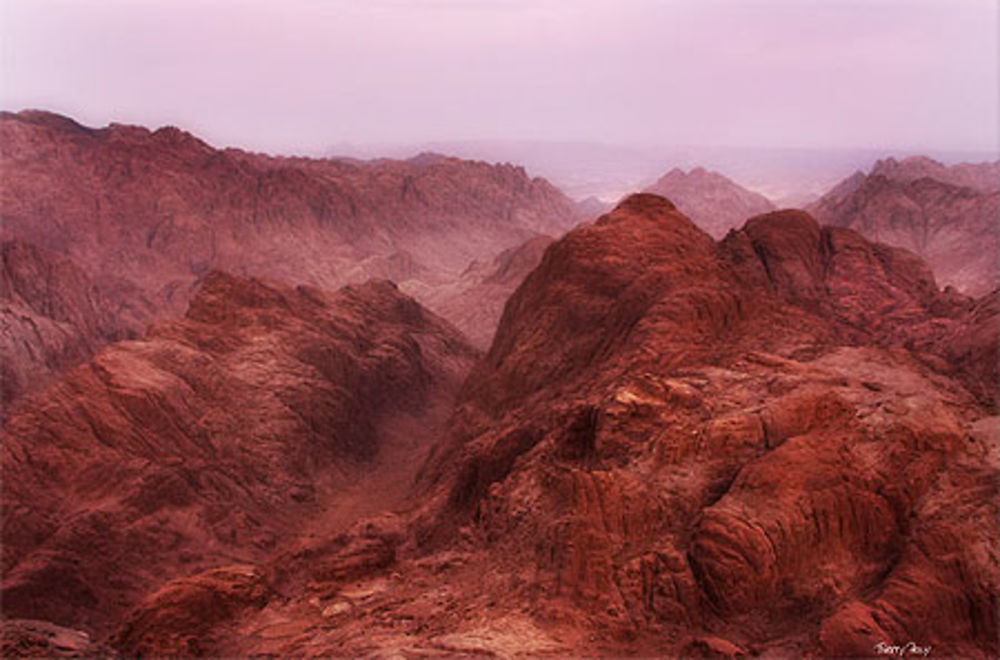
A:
946,214
784,220
789,244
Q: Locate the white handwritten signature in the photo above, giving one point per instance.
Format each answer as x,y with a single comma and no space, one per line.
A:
910,648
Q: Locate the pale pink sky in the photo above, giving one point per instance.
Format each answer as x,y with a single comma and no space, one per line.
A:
301,75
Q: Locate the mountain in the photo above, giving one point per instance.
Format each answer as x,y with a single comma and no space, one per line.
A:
713,202
143,214
769,445
983,177
172,466
947,214
226,433
787,176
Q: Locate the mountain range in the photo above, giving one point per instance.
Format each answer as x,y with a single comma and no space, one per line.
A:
136,217
285,407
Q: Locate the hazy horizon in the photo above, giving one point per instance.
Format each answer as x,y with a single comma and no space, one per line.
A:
306,76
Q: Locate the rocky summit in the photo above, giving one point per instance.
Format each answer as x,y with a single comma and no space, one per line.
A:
763,446
780,444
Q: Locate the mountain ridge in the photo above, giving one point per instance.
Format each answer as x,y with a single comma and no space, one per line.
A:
145,213
947,214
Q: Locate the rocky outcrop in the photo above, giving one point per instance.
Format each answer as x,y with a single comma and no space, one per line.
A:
180,618
40,639
753,443
144,214
713,202
216,438
947,215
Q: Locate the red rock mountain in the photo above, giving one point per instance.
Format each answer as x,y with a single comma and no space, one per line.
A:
53,316
782,444
950,215
173,467
714,202
768,445
142,214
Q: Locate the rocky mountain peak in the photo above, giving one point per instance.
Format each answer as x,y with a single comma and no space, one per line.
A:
714,202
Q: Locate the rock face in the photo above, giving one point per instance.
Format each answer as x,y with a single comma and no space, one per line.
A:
763,445
52,315
217,439
143,214
948,215
40,639
714,202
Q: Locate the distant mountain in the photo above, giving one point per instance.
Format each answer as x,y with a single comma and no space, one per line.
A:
142,215
714,202
591,207
475,301
950,215
984,177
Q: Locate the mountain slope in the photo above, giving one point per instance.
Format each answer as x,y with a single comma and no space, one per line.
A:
475,301
143,214
767,445
948,215
217,440
714,202
675,446
53,316
981,177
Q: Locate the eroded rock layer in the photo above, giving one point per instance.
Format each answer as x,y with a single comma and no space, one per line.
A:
763,445
216,440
